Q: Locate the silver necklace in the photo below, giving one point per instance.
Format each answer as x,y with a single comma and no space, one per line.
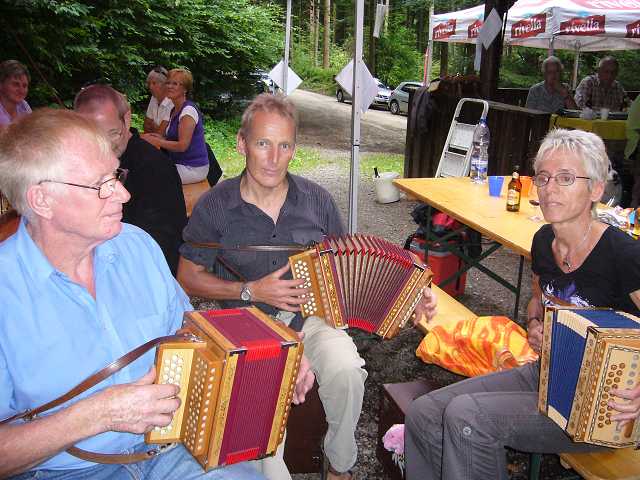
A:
566,261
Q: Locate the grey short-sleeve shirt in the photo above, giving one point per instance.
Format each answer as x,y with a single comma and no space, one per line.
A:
221,215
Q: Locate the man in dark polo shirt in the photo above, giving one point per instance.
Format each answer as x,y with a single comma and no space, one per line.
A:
267,205
157,201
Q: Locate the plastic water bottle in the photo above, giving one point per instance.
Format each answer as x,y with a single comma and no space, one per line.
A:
480,152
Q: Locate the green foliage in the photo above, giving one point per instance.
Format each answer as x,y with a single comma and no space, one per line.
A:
315,77
396,57
118,41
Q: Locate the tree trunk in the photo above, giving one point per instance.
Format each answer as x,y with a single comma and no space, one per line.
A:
444,58
420,32
316,33
371,19
334,11
490,65
327,33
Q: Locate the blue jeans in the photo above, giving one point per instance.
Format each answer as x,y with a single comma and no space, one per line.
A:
175,463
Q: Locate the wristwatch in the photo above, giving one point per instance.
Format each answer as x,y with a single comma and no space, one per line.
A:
245,293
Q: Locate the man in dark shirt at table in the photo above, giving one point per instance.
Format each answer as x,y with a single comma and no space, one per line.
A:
157,201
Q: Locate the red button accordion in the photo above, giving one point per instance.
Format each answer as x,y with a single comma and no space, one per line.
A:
361,281
236,374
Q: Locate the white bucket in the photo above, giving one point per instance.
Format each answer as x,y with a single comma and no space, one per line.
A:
386,191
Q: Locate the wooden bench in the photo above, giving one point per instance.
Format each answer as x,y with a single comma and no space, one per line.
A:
449,310
395,398
192,192
622,464
8,224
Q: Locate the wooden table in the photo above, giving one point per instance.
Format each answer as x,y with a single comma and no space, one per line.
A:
472,206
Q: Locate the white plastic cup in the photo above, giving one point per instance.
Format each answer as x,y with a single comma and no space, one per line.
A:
386,191
604,113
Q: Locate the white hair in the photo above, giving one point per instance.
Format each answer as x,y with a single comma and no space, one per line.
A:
34,148
158,75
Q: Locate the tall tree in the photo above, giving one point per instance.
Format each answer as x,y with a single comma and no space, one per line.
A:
327,34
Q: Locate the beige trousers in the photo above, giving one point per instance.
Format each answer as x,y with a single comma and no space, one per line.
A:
338,368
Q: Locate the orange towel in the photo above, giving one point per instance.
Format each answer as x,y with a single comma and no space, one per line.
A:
477,346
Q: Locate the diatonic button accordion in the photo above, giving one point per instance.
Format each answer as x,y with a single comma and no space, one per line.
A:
236,370
361,281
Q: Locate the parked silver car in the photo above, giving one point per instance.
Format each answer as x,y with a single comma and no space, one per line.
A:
399,98
381,100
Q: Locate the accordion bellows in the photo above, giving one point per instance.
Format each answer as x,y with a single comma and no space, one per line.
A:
586,353
236,376
361,281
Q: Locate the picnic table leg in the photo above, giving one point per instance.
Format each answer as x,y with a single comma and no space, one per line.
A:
518,289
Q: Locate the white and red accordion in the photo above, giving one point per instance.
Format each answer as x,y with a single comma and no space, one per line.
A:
236,373
361,281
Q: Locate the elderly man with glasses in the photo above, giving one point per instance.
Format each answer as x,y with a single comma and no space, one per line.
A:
80,289
461,431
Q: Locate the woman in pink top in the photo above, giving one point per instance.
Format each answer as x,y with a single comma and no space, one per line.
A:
14,86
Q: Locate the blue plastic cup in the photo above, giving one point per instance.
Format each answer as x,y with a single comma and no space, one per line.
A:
495,185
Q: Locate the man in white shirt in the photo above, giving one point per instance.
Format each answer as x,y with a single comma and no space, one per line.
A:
160,106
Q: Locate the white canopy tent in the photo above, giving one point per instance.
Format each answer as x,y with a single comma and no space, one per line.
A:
578,25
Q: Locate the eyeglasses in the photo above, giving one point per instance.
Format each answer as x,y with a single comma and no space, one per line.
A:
105,189
562,179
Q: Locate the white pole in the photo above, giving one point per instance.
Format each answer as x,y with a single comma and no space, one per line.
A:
354,174
287,43
427,75
551,47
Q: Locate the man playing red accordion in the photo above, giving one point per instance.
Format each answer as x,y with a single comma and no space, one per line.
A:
266,205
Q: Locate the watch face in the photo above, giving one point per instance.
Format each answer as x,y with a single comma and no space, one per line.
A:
245,294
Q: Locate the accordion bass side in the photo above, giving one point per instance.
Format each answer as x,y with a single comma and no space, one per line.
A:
586,353
236,372
361,281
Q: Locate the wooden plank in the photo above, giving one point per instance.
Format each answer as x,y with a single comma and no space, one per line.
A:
471,204
192,192
449,311
623,464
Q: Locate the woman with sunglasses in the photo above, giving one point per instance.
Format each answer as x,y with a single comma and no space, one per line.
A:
461,431
184,137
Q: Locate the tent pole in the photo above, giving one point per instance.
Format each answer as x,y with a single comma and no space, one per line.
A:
551,47
429,52
356,113
287,43
576,67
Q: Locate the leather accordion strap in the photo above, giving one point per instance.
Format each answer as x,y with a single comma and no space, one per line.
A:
119,459
252,248
93,380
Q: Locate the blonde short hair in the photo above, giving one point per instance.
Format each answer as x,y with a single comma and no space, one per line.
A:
586,146
265,102
35,148
186,79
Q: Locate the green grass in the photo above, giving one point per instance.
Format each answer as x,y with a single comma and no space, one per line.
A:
221,135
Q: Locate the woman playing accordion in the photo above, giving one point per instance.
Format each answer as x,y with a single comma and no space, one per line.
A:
460,431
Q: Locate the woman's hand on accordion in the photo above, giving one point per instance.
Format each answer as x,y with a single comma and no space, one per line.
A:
283,294
304,382
427,306
629,411
137,407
